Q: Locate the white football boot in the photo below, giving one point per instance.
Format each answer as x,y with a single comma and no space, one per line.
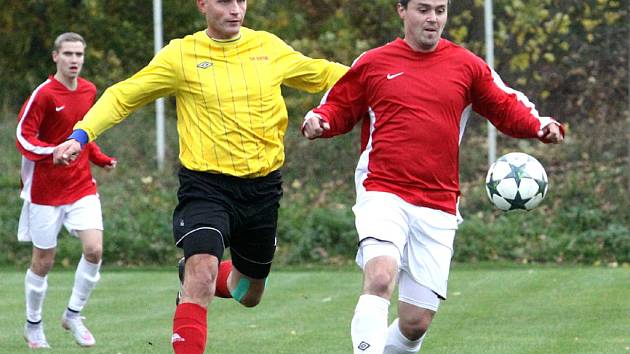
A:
35,337
81,334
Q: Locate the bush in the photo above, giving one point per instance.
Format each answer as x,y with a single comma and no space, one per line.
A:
320,235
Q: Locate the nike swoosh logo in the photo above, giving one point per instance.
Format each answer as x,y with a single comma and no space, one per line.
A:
392,76
58,109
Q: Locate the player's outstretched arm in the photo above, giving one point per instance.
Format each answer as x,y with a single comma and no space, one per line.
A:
314,125
66,152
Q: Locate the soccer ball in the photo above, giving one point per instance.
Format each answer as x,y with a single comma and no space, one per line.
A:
516,181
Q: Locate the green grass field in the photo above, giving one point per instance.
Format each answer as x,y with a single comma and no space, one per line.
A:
512,309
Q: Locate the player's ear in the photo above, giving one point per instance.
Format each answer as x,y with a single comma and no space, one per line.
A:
401,11
201,5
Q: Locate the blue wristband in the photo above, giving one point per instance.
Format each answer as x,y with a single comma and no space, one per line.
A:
81,136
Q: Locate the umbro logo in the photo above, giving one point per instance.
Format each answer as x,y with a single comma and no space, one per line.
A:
393,76
363,346
204,65
60,108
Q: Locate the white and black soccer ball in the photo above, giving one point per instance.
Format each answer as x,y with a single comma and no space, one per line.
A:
516,181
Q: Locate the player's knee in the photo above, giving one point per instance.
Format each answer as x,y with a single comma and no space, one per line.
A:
205,282
253,298
199,280
380,282
198,289
414,328
251,301
248,293
42,262
41,267
93,253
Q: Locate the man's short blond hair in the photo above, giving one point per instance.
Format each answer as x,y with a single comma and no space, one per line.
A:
68,37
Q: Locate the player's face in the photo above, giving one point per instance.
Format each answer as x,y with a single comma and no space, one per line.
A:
69,59
224,17
424,22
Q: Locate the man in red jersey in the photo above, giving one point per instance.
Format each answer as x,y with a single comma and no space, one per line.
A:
418,92
59,195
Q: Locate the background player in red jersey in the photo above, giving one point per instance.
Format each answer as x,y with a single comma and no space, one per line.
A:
418,92
59,195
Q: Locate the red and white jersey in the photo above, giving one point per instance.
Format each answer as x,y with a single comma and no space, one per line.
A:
46,120
418,105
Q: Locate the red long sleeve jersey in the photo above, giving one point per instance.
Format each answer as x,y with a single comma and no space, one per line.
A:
418,105
46,120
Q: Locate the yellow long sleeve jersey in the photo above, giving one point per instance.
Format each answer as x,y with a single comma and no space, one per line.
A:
231,117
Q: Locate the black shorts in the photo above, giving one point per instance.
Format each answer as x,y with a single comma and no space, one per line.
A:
217,211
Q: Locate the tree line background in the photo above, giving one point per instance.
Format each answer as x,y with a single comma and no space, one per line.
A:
569,57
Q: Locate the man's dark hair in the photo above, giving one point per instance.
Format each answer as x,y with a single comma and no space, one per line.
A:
404,3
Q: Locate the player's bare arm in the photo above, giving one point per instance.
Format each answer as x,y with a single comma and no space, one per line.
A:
314,125
66,152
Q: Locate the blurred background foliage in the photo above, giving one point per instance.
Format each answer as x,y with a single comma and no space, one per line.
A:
569,57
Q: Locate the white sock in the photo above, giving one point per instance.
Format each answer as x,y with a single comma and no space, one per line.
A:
369,324
35,290
85,279
397,343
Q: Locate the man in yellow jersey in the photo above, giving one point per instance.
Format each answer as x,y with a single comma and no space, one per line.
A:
231,123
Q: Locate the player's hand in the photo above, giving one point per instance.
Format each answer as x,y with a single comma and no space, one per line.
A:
111,166
314,125
551,133
66,152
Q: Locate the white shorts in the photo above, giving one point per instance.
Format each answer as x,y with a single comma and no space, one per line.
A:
422,236
40,224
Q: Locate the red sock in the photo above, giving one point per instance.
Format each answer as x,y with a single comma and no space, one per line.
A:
225,268
189,329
